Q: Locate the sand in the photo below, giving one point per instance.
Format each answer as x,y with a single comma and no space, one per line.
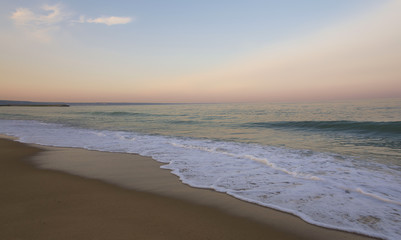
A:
38,203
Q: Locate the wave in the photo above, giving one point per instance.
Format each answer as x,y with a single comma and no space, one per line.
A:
348,126
120,114
185,122
137,114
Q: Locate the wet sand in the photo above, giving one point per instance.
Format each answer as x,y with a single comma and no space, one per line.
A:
40,203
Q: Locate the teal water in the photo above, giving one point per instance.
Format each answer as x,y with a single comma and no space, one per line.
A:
333,163
367,129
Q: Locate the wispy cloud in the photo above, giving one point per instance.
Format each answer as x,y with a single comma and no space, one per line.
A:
104,20
24,16
41,25
110,20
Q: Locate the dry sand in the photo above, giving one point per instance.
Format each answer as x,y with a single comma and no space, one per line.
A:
47,204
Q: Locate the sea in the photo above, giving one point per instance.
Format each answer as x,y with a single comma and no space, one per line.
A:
334,164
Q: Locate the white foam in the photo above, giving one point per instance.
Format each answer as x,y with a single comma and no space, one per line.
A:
378,197
340,194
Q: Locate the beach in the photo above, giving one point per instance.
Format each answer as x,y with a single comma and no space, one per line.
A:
200,120
38,203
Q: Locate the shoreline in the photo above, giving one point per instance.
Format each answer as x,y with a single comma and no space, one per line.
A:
247,220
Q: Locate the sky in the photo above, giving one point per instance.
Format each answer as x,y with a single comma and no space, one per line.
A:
199,51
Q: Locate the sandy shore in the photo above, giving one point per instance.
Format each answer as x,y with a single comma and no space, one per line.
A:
39,203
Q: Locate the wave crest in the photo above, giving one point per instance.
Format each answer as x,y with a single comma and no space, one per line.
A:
348,126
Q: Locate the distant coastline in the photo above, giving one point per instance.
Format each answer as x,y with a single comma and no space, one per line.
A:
8,103
34,105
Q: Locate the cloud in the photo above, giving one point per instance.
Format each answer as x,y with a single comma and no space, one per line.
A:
24,16
110,20
42,25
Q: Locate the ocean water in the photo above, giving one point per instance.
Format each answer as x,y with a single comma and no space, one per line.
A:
334,164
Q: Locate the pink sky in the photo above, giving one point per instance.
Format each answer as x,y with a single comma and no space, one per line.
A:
357,57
